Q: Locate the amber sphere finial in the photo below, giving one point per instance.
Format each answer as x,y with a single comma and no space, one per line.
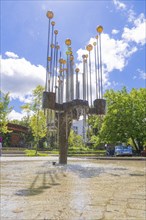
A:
50,14
77,70
89,47
99,29
68,42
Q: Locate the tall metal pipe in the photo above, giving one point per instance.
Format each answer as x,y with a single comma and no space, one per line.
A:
100,30
51,62
71,78
98,68
101,65
84,77
50,15
54,60
89,48
87,79
68,43
77,83
95,61
56,65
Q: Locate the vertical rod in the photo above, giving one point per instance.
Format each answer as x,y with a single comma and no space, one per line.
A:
77,85
63,82
72,81
83,78
51,62
46,87
56,74
95,70
87,80
98,69
67,95
101,67
54,61
90,78
59,82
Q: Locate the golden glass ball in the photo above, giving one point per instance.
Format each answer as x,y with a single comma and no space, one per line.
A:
53,23
77,70
49,58
52,45
96,37
57,47
68,52
99,29
68,42
50,14
56,32
83,56
64,61
61,60
89,47
94,43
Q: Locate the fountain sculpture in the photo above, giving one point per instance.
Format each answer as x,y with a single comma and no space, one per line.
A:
68,96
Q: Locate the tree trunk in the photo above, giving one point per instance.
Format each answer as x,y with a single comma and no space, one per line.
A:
135,145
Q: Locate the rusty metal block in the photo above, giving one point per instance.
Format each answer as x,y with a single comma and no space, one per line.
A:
100,106
49,99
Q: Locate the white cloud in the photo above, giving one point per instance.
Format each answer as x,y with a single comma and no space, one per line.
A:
137,33
11,54
16,115
114,31
114,53
20,77
131,15
119,5
142,74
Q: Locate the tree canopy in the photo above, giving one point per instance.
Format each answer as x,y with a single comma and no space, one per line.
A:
4,111
125,118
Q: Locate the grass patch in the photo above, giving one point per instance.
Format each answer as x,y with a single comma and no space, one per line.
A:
32,153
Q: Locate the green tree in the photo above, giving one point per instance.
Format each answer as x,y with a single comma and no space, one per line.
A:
4,111
38,126
75,142
37,121
95,123
125,117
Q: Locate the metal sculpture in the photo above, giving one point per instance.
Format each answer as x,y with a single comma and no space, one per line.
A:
67,96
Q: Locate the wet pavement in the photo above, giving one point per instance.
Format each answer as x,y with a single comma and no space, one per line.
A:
85,189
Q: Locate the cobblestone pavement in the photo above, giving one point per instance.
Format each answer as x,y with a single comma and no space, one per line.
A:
32,188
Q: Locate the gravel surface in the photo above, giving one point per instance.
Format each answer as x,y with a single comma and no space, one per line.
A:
85,189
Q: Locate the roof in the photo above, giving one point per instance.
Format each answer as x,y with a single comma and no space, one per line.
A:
16,127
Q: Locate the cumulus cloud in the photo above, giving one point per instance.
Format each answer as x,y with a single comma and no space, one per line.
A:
16,115
142,74
114,31
119,5
136,33
11,54
20,77
116,52
127,12
114,55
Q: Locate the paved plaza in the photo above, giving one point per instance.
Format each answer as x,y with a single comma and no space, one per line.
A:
85,189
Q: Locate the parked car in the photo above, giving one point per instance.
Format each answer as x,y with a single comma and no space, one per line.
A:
123,150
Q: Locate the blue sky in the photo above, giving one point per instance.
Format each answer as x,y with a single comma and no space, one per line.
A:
24,42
